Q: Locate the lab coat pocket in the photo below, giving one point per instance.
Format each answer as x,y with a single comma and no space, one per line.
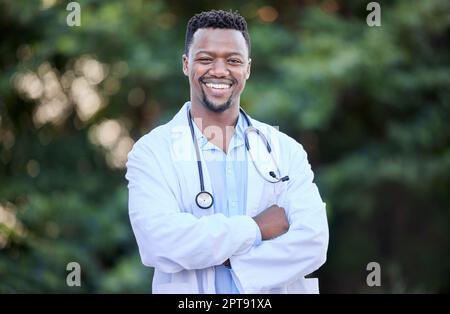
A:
271,194
266,199
173,288
280,187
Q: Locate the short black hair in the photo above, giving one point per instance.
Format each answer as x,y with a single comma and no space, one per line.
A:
216,19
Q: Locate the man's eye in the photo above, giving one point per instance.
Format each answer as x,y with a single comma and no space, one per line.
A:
235,61
205,60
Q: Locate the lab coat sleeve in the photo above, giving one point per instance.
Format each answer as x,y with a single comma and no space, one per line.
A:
169,239
298,252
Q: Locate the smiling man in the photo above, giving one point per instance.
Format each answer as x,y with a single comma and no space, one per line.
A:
207,214
217,62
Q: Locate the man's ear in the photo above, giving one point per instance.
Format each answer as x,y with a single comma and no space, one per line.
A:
185,61
248,68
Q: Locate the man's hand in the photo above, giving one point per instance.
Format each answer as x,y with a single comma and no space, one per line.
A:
272,222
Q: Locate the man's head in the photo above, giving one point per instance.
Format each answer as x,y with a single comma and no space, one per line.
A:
216,58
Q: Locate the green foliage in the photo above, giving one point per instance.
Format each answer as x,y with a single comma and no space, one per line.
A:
369,104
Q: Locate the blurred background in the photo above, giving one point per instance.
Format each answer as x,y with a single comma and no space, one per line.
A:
370,105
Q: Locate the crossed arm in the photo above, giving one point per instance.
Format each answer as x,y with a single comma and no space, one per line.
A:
272,222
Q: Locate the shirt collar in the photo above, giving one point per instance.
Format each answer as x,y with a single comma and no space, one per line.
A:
237,140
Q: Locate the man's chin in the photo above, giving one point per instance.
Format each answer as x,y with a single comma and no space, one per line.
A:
218,108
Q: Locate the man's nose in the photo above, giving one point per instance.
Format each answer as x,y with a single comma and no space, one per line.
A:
219,68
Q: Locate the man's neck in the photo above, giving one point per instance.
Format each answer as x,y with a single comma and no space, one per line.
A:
218,127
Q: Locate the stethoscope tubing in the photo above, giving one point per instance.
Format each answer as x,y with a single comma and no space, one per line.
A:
250,128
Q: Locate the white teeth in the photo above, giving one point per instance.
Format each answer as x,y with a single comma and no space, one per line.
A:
218,86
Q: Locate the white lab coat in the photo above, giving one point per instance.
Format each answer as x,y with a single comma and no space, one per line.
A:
184,242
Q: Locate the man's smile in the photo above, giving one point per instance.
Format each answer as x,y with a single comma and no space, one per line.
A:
217,87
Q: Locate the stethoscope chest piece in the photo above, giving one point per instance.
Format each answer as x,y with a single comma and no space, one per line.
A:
204,200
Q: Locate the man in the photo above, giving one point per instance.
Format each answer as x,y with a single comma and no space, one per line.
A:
208,242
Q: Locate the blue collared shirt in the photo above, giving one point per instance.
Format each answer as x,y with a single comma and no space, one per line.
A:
228,173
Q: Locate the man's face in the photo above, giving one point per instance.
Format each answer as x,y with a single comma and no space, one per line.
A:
217,66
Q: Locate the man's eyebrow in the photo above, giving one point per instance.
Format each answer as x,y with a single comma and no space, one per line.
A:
231,53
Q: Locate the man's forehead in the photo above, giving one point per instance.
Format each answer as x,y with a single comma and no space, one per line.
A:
205,39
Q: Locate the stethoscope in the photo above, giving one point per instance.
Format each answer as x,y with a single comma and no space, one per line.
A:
204,199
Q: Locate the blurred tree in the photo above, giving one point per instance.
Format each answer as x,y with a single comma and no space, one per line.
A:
370,105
